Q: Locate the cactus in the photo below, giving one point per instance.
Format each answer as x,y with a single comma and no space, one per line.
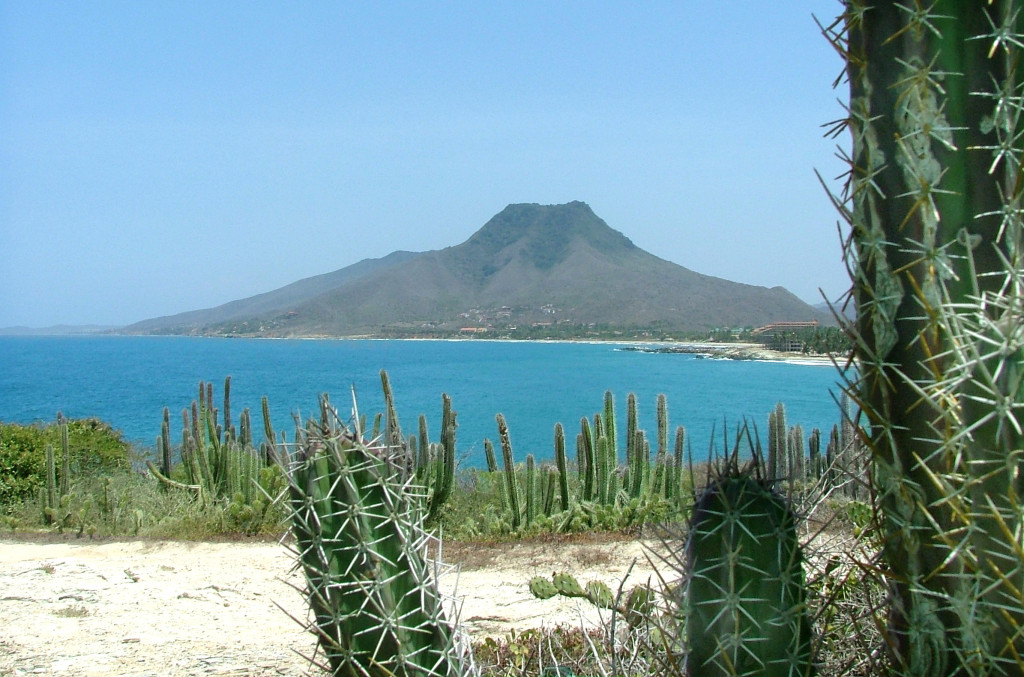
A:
49,493
778,444
604,474
220,465
562,465
229,430
270,437
392,430
744,599
423,457
531,490
635,607
361,546
935,255
678,452
434,465
61,507
634,466
815,466
662,484
586,452
607,428
511,483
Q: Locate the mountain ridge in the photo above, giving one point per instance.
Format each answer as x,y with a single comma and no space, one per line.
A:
530,264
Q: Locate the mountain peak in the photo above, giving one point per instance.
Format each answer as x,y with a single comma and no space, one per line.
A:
545,235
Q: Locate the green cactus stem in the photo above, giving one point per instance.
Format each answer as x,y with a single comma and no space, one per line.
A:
562,466
359,540
511,483
586,452
532,490
745,604
935,253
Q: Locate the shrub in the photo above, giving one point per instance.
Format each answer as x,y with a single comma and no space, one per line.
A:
96,448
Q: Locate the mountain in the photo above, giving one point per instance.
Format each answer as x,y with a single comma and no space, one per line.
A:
530,264
58,330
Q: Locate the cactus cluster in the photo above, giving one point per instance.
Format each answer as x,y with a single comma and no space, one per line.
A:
433,463
218,462
740,606
601,492
356,515
797,463
62,508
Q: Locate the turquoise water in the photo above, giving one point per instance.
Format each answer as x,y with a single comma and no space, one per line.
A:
127,381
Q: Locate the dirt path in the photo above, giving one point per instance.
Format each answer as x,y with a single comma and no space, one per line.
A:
171,608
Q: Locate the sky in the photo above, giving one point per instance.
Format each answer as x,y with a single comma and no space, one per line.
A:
158,157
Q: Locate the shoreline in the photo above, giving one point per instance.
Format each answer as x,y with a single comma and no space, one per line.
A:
752,352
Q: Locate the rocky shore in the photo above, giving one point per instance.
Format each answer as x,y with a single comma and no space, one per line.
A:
735,351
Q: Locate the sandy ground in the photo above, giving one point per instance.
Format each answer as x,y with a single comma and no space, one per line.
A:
171,608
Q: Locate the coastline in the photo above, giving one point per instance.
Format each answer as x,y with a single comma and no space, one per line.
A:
740,351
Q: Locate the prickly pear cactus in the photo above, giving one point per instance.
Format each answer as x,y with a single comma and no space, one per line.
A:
744,596
635,608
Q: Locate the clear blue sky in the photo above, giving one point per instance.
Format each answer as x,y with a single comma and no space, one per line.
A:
157,157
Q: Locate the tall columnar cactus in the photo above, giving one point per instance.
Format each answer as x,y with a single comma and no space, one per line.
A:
362,549
778,444
632,462
679,453
662,483
392,430
586,452
511,483
815,465
744,600
562,465
56,496
270,441
934,203
440,469
608,428
532,490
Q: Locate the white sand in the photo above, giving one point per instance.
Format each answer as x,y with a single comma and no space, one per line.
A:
171,608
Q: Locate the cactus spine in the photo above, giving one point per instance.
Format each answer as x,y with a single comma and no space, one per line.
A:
935,254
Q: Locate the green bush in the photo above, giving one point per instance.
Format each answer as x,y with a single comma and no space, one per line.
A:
96,448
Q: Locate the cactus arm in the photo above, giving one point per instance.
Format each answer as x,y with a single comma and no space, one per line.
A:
195,488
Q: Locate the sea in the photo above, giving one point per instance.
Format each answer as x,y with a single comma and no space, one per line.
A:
127,381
